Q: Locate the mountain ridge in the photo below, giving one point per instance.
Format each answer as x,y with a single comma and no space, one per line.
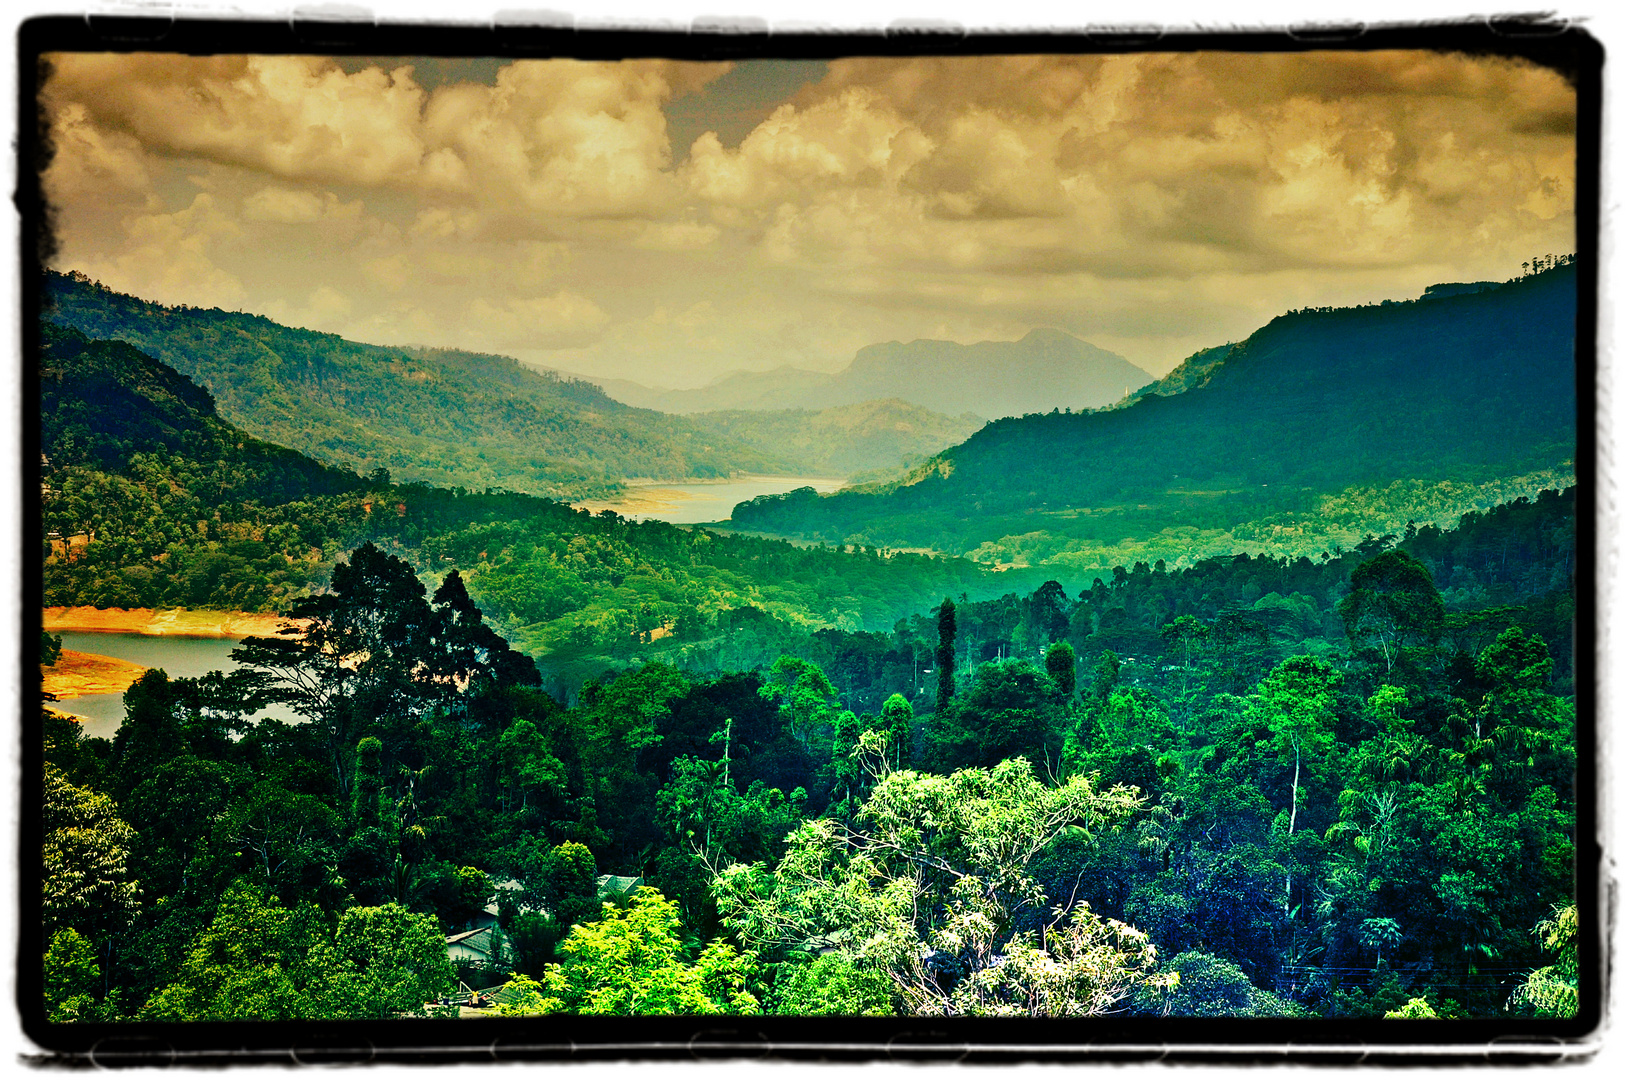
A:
448,417
1474,384
1043,370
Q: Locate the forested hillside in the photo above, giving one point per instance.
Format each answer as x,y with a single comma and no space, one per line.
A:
883,434
1466,388
149,499
439,416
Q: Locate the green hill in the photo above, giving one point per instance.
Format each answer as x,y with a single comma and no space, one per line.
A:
844,439
1471,388
441,416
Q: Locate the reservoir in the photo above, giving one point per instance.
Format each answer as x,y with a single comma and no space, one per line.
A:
180,657
692,504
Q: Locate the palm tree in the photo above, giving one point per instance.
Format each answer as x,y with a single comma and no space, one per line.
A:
1376,933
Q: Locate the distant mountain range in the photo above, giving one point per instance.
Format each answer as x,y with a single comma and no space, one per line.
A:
1044,371
1463,383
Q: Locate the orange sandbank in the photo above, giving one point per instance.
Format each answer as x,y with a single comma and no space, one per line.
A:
182,622
76,674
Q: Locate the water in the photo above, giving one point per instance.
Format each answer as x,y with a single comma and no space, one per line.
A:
709,502
180,657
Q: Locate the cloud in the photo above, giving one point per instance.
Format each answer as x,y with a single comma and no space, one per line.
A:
170,258
289,116
1138,197
562,320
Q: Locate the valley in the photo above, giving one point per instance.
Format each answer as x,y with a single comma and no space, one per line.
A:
651,538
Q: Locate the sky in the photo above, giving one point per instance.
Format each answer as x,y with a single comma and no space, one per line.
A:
669,222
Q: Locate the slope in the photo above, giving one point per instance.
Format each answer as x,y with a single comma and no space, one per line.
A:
442,416
844,439
1472,386
149,499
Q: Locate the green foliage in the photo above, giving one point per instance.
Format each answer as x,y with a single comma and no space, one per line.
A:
383,962
1417,1008
85,859
252,962
1393,602
73,980
829,985
1554,990
928,881
631,963
1212,986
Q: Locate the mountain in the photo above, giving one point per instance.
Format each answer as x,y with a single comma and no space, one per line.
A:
1468,386
106,406
441,416
1043,371
149,499
870,436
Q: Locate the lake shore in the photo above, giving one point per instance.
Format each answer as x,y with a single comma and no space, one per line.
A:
694,502
76,674
182,622
651,500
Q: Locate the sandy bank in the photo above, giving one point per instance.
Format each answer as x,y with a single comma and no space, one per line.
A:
638,501
182,622
76,674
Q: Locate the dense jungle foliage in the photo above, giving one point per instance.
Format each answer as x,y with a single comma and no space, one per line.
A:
1253,787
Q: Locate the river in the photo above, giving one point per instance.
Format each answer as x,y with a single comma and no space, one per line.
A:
180,657
693,504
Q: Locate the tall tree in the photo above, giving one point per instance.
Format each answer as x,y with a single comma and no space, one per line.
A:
349,656
945,653
1060,663
1392,603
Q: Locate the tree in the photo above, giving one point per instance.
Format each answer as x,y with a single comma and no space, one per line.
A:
1047,612
1010,710
383,962
1376,933
85,860
1211,985
1060,664
1554,990
348,657
1085,968
1295,703
73,980
829,985
1186,632
945,653
630,963
252,962
898,721
1392,603
928,883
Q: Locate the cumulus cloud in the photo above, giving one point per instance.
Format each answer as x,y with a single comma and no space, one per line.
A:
1155,201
